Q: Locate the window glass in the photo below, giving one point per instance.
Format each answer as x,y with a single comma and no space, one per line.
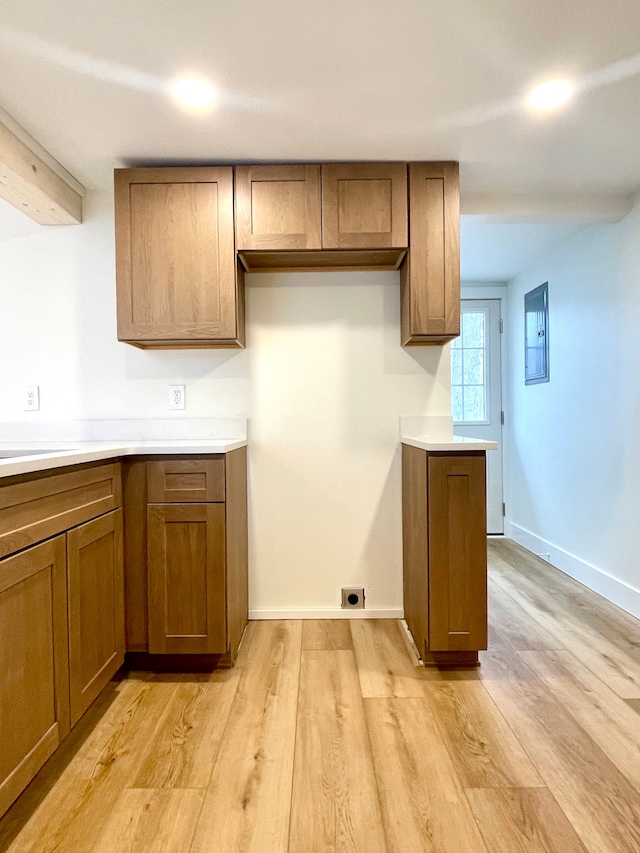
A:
468,370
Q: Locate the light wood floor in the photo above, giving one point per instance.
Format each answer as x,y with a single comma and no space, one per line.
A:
325,737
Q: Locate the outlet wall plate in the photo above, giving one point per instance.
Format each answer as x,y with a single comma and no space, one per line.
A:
176,397
31,398
353,598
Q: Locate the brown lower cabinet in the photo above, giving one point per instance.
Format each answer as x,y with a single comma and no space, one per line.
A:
96,608
34,666
186,576
445,554
186,555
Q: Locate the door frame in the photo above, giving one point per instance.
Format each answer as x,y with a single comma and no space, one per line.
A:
497,290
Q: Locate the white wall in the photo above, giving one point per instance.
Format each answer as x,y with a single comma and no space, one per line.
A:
573,466
323,382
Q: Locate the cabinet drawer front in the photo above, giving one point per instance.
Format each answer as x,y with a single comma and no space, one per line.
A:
186,565
364,205
40,508
186,481
34,705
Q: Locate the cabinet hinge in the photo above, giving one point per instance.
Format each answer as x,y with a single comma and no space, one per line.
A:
501,326
502,418
504,509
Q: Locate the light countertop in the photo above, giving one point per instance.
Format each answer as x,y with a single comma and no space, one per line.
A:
455,443
27,457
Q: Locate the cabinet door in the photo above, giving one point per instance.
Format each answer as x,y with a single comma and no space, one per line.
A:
457,523
430,276
364,205
34,675
186,578
96,608
175,256
277,207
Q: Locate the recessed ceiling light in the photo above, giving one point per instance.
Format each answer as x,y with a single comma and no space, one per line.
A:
194,92
551,94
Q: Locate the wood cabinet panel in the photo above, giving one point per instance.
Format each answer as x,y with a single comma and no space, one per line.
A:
34,676
277,207
35,509
430,276
185,480
175,256
445,553
96,608
186,578
457,526
364,205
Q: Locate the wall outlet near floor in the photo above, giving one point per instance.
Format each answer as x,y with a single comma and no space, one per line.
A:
353,597
32,398
176,397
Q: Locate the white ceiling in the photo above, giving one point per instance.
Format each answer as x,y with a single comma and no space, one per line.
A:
336,79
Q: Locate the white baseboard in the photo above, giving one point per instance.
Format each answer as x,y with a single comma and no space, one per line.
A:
614,590
328,613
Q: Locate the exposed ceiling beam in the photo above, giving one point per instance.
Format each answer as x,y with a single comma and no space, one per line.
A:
31,185
582,208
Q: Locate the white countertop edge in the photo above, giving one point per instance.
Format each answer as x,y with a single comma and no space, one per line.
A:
80,452
457,444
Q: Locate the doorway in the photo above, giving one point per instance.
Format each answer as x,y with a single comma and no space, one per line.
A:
476,392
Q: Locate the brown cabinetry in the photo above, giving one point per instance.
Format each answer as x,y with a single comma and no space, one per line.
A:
186,577
430,275
186,554
180,260
61,610
277,207
96,608
177,279
445,553
364,205
34,675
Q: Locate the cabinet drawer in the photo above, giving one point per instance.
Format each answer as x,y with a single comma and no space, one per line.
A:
186,481
37,509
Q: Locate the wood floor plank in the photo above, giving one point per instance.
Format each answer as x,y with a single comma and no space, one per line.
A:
335,803
423,805
74,811
183,749
528,565
605,658
515,625
326,634
601,804
153,821
384,666
525,820
609,721
485,752
247,805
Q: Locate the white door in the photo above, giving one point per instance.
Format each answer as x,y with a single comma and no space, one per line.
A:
476,391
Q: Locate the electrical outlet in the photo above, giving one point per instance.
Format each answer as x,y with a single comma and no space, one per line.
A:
176,397
31,398
353,597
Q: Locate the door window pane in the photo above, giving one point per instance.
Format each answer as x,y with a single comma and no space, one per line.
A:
468,370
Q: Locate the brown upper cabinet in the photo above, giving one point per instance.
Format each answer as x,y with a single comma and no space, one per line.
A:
181,254
430,275
364,205
278,207
177,279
